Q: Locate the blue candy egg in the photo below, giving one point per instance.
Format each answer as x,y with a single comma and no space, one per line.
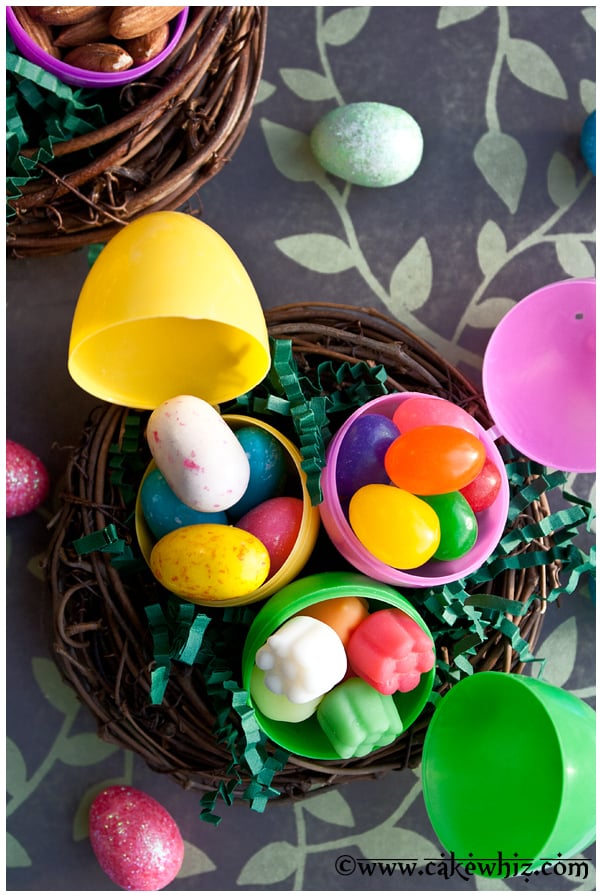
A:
361,453
588,142
267,460
164,512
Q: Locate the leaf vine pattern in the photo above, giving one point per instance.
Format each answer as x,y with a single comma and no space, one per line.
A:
499,156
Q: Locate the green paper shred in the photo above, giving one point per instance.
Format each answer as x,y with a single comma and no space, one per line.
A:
41,111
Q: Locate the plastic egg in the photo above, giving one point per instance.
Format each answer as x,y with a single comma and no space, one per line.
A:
360,460
266,458
27,480
434,459
398,528
209,562
276,523
424,410
369,144
136,841
164,512
198,454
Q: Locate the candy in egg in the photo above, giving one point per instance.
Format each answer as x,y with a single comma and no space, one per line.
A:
361,453
368,143
209,562
276,705
434,459
266,458
425,410
483,490
458,525
27,480
135,840
164,512
276,523
343,614
394,525
198,454
357,719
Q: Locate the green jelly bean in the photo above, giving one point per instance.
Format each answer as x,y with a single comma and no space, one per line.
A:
357,719
458,524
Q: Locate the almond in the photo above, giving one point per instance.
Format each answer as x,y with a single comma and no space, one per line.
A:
37,31
99,57
127,22
143,49
90,31
62,15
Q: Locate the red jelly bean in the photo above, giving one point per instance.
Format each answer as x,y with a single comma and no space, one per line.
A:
390,651
434,459
276,523
483,490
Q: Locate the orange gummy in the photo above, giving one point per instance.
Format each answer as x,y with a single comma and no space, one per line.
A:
343,614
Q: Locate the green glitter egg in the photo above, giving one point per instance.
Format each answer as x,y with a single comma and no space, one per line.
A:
369,144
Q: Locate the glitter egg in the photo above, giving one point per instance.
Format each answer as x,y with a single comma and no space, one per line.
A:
27,480
136,841
369,144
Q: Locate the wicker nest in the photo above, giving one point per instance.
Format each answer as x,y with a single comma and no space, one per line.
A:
172,134
101,639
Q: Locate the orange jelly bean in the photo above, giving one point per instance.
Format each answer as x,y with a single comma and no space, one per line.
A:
343,614
434,459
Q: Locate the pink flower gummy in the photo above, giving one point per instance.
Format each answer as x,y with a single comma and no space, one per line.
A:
390,651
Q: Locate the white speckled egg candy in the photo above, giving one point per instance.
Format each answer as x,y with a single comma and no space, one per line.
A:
198,454
368,144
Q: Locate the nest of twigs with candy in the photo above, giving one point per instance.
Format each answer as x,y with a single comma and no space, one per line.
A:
148,146
116,631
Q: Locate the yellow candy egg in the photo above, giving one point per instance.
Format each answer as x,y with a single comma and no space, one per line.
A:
395,526
209,562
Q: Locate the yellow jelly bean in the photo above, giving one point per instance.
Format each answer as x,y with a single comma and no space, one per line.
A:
396,527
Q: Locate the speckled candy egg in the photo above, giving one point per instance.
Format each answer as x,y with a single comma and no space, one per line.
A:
136,841
369,144
210,562
266,457
27,480
276,523
164,512
198,454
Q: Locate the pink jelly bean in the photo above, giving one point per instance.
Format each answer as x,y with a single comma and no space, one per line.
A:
390,651
425,410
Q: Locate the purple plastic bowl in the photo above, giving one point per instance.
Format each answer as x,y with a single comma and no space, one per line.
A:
491,522
79,77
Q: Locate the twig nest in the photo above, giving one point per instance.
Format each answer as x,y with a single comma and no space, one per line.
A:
368,144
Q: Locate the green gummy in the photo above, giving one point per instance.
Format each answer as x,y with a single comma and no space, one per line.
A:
357,719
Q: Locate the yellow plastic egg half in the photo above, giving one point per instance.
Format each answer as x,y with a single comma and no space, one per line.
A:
209,562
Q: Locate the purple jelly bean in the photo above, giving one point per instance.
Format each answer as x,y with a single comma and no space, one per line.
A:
361,453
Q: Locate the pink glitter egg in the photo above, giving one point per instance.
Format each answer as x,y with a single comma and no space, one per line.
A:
136,841
27,480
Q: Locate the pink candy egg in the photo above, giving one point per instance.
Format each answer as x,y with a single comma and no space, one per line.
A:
276,523
136,841
425,410
27,480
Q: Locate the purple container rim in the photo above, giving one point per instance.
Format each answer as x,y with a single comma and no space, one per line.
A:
80,77
338,528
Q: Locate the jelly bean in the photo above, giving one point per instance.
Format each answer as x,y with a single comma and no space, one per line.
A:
396,527
276,523
266,457
425,410
434,459
303,659
458,525
361,453
277,706
343,614
164,512
390,651
483,490
357,719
